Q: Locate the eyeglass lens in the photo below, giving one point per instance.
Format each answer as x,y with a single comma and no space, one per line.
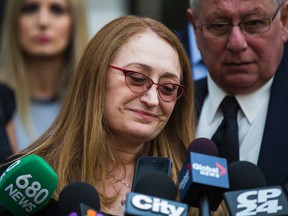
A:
252,27
138,82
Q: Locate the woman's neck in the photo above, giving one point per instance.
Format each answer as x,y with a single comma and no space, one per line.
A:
119,182
120,178
45,76
128,149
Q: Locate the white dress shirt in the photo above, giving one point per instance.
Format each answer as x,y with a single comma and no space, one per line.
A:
251,118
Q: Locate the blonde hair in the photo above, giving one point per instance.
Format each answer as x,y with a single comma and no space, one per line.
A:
77,144
13,69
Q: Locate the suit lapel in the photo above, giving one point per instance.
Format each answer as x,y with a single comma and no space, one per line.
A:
183,36
201,91
274,148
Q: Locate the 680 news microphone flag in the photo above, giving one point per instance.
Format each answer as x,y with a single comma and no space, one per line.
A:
27,185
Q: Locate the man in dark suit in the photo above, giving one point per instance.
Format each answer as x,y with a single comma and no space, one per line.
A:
187,37
242,44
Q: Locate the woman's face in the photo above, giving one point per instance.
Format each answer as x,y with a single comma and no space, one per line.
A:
139,117
44,27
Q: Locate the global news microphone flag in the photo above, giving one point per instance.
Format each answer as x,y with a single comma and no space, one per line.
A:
203,173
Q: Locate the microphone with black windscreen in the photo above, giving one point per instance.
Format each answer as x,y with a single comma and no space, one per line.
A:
249,195
245,175
154,194
203,145
156,184
203,178
78,198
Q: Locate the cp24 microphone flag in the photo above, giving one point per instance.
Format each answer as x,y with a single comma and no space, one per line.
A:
249,194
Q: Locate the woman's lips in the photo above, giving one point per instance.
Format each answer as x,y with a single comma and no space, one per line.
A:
144,113
42,39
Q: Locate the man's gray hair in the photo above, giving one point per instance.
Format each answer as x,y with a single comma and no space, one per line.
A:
195,5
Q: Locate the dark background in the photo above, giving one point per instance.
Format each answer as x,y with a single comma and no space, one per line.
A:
170,12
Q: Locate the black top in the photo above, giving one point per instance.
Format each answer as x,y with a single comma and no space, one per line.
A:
7,109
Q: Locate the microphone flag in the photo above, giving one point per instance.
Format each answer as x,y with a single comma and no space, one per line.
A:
27,185
144,205
203,172
258,201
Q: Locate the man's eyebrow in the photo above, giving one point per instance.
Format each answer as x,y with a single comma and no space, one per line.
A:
222,15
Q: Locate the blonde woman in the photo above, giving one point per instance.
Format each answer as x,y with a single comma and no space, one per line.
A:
40,43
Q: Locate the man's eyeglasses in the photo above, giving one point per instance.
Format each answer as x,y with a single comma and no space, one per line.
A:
139,83
251,27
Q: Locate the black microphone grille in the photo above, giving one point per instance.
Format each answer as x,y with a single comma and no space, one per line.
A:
203,145
156,184
245,175
75,193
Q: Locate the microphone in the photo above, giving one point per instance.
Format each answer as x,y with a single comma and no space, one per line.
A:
245,175
153,195
79,198
27,185
203,145
203,177
156,184
249,195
